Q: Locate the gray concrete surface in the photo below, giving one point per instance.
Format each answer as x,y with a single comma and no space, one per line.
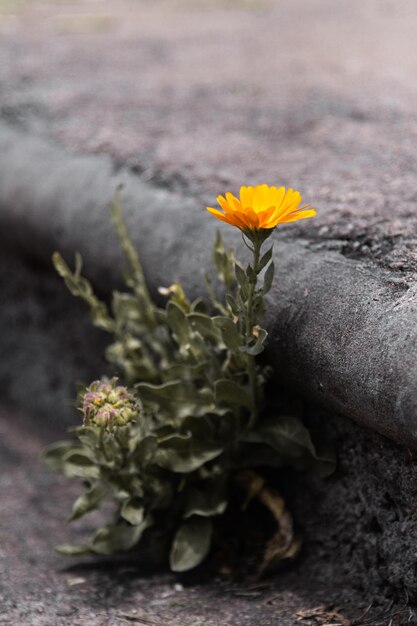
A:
205,96
195,99
342,331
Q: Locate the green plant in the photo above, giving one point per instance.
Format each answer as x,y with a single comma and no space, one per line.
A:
193,421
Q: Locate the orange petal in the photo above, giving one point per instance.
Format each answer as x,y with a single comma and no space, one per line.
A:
265,216
249,217
246,194
300,215
233,201
224,204
216,213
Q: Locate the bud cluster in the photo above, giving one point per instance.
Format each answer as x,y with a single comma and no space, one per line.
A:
108,405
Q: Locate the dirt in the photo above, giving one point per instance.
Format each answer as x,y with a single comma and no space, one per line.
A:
204,97
39,587
358,529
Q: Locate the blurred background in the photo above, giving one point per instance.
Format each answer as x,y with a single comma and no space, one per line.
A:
200,96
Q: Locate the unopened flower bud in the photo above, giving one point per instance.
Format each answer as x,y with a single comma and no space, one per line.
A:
109,405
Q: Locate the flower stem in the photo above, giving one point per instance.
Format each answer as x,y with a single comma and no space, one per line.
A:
250,323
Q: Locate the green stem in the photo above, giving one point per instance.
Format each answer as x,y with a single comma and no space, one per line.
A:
250,323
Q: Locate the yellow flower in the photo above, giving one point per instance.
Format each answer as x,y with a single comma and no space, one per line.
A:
261,207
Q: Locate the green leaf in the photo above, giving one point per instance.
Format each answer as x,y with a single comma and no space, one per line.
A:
210,500
230,333
132,511
177,399
87,502
204,325
118,538
229,392
191,544
232,304
265,260
136,277
81,288
199,306
223,261
54,455
143,448
178,323
250,273
71,550
188,373
78,463
184,454
88,435
257,347
268,278
242,279
290,439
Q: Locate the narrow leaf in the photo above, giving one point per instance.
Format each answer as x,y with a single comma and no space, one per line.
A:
70,550
268,278
265,260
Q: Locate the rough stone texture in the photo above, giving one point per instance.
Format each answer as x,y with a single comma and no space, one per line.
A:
361,521
46,343
342,331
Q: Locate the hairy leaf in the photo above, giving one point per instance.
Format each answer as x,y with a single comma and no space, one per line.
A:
71,550
209,500
177,399
291,440
118,538
88,501
191,544
183,453
78,463
230,333
132,511
204,325
54,455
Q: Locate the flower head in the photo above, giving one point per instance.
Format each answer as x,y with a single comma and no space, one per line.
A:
261,208
108,405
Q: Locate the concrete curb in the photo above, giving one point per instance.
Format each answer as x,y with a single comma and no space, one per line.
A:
342,332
